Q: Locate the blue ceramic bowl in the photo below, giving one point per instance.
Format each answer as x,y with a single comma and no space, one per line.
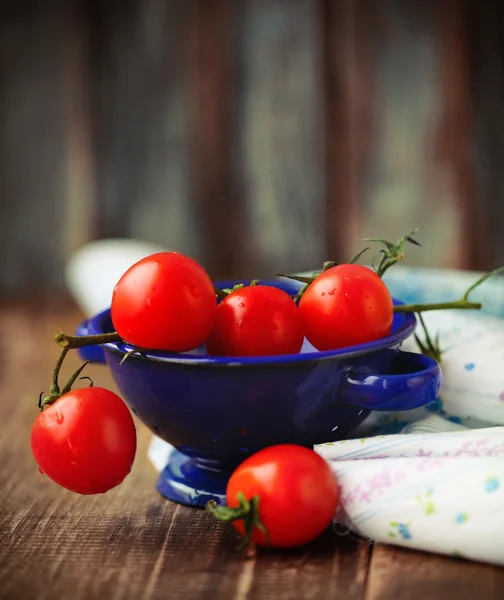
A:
216,411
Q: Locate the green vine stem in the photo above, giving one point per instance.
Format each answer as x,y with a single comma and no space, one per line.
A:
458,304
246,511
462,303
55,392
73,342
431,347
428,347
73,379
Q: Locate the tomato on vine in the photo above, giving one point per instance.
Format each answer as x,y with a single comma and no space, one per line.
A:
283,496
166,301
346,305
256,320
85,441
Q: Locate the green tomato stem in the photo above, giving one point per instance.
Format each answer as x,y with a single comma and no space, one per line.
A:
55,390
71,342
482,279
462,304
246,511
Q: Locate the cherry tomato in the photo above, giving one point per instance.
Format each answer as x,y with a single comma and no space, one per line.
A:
165,301
85,441
298,494
344,306
256,320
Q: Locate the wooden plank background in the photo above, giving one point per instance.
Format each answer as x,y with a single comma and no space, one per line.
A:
256,135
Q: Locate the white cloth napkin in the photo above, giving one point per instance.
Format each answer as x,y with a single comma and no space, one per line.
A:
439,492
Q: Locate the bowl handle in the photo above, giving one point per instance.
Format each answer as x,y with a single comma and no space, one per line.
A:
414,381
93,353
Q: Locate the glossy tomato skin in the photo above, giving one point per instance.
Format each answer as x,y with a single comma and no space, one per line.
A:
165,301
256,320
85,441
298,494
346,305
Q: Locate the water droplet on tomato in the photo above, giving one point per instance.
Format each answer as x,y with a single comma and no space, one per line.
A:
322,293
239,324
59,418
331,292
149,301
241,304
40,471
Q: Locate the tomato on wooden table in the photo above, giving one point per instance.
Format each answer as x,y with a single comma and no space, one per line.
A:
256,320
165,301
85,441
297,495
344,306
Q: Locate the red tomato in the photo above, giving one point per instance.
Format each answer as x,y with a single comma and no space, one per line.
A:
165,301
346,305
256,320
298,494
85,441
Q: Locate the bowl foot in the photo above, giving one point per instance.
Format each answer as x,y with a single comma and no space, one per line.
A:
189,481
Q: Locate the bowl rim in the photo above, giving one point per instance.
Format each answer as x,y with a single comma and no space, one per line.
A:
158,356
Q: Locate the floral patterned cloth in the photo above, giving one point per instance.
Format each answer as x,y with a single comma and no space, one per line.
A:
449,504
433,479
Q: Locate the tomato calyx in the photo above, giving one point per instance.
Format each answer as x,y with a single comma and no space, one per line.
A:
226,291
392,253
55,392
246,511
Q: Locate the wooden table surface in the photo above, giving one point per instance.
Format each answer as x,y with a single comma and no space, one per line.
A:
132,543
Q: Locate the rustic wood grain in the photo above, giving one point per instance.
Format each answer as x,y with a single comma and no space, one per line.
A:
328,568
32,143
219,221
398,150
281,134
453,151
348,98
139,65
255,135
484,29
397,573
